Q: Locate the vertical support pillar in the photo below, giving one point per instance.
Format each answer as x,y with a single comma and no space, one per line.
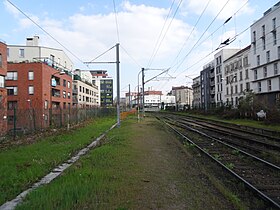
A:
143,96
118,84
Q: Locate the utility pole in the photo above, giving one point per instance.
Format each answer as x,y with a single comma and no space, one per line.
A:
118,85
143,97
129,97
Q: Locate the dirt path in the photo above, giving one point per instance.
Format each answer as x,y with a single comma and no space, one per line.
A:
169,176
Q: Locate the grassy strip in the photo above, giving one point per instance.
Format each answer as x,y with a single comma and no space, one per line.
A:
97,181
22,166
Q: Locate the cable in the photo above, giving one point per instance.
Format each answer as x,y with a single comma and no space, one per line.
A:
165,21
131,57
191,32
165,32
116,20
102,54
45,31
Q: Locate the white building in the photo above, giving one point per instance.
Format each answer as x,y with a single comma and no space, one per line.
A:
237,77
219,73
85,75
196,92
183,96
86,94
265,56
33,52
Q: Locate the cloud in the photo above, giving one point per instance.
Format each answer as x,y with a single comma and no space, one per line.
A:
11,9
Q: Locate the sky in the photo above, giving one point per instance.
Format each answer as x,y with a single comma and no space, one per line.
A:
170,38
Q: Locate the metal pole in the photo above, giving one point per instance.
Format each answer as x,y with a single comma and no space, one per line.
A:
129,97
143,99
118,84
138,95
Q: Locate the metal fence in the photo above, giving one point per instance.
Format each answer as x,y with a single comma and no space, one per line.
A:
25,121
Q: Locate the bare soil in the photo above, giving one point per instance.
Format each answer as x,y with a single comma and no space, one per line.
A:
169,175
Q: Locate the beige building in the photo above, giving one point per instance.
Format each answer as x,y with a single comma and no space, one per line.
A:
183,97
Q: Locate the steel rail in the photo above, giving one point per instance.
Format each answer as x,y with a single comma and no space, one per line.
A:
263,195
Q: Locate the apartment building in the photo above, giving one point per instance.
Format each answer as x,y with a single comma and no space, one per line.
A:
265,56
39,88
219,59
196,93
3,90
237,77
207,85
183,97
32,52
104,83
85,94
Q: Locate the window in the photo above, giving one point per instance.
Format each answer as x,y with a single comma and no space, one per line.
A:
11,119
68,84
246,74
46,104
240,76
12,91
278,52
275,68
31,75
274,38
69,95
255,49
1,60
254,36
274,23
21,53
263,30
263,42
12,105
264,72
227,90
269,85
236,89
259,87
241,88
247,86
31,90
2,81
64,83
258,60
245,61
256,74
64,94
268,56
12,75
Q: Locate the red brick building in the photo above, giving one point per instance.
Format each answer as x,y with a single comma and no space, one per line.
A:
3,91
33,89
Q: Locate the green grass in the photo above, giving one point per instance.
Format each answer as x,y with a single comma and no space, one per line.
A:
97,181
23,165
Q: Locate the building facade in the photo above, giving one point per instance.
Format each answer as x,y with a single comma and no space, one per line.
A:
104,83
219,59
237,77
38,88
265,56
32,52
84,93
207,84
3,90
196,93
183,97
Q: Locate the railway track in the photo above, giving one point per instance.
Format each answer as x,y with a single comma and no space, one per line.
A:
258,174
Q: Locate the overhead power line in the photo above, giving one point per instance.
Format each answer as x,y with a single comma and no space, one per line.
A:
45,31
116,20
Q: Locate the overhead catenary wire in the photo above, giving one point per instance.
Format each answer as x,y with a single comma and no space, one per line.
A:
160,43
133,59
116,21
45,31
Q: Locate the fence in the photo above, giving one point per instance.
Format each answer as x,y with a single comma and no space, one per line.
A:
24,121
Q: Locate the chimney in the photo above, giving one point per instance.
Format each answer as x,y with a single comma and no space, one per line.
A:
34,41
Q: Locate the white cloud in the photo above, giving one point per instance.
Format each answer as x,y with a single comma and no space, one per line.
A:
11,9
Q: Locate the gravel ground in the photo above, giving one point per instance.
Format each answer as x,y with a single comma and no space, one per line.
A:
170,177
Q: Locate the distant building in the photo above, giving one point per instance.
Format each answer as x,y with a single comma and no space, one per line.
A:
207,85
85,94
36,87
183,96
3,90
196,92
133,99
265,56
104,83
237,77
32,52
